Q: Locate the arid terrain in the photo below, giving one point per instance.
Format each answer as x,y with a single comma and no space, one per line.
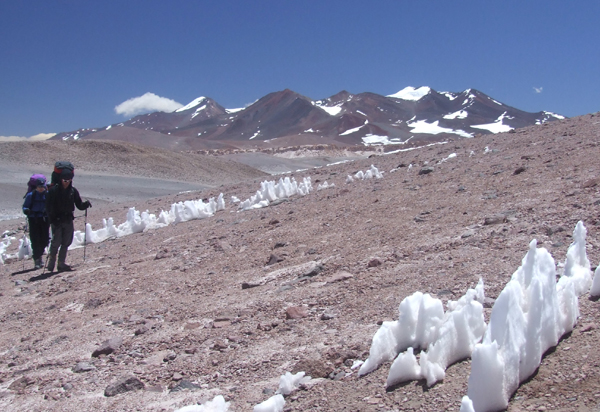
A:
227,304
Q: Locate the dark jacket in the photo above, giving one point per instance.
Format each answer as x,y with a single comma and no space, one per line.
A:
35,204
60,203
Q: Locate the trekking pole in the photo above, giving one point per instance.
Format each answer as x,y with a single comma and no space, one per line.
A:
85,235
25,238
48,254
45,264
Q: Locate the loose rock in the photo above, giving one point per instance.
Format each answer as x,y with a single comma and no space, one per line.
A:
124,384
108,346
295,312
83,367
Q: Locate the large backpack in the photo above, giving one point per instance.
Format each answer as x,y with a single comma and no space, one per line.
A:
34,181
58,168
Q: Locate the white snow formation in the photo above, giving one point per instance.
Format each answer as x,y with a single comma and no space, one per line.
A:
25,250
270,191
287,384
137,222
422,324
450,156
420,315
463,327
595,290
4,244
273,404
577,266
325,185
218,404
290,382
529,316
371,173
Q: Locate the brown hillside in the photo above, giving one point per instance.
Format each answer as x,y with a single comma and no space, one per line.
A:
190,331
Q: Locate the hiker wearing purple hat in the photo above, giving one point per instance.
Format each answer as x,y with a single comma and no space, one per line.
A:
60,205
34,207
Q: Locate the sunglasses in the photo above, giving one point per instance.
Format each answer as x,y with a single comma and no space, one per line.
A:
67,180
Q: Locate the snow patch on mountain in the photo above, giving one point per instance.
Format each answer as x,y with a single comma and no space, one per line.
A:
331,110
197,112
461,114
356,129
410,93
558,116
422,126
547,116
192,104
449,95
374,140
497,127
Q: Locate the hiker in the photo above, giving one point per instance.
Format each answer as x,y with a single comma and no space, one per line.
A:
34,208
60,205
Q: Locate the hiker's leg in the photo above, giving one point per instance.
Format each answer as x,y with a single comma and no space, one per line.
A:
57,235
56,239
44,234
66,239
36,237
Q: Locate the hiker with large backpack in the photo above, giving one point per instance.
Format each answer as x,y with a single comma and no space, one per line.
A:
60,205
34,207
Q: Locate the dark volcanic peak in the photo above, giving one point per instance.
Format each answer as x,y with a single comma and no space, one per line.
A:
338,98
204,108
412,116
275,115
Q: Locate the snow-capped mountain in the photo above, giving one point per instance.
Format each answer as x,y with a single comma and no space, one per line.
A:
285,118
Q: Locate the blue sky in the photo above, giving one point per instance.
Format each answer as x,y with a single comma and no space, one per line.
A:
67,64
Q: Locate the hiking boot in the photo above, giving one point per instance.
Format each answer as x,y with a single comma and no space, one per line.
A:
37,263
51,263
63,267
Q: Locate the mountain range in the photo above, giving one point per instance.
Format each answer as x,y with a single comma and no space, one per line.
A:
413,116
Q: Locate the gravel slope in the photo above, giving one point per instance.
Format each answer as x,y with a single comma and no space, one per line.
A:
190,330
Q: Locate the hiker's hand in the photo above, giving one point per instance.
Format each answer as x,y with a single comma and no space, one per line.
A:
26,211
87,204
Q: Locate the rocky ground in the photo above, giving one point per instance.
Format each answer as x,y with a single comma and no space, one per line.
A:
227,304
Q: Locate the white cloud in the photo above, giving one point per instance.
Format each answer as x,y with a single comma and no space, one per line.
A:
147,103
39,136
538,89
